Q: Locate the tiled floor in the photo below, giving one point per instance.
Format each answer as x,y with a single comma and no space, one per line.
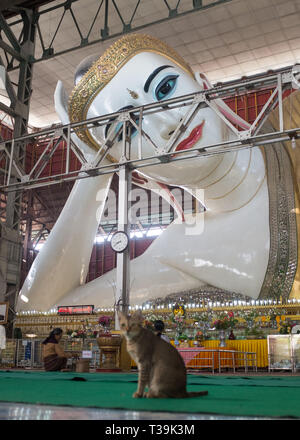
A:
18,411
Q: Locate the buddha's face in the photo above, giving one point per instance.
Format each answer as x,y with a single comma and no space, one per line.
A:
148,78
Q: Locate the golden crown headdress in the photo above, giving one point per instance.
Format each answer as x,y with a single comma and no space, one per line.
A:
105,68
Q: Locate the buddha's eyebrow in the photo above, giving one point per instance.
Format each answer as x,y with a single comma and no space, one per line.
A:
152,76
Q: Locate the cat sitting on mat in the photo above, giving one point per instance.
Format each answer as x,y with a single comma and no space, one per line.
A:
160,366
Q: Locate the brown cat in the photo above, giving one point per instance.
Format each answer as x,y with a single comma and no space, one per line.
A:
160,366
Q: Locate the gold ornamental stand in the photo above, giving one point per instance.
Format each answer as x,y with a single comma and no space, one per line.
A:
110,349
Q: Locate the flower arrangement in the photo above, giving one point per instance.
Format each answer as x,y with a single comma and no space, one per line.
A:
178,319
202,317
104,322
202,322
153,317
249,315
76,334
285,328
224,321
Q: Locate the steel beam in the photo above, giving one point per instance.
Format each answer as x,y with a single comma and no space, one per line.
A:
9,87
9,33
8,110
9,4
20,112
14,53
120,8
246,138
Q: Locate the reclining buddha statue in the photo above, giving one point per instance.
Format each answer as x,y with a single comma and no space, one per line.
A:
248,244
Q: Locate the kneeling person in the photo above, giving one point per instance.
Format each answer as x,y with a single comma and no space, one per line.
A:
55,358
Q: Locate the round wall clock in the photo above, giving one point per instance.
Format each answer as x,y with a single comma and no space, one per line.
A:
119,241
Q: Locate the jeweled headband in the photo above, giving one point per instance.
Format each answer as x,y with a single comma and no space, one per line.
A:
105,68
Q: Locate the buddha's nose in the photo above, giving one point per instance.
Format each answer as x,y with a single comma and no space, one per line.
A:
167,132
169,128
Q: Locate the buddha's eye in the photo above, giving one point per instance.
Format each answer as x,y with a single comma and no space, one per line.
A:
131,130
166,87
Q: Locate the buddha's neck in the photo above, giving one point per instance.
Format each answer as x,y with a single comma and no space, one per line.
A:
233,181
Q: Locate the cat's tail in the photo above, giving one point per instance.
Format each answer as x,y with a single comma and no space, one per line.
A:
197,393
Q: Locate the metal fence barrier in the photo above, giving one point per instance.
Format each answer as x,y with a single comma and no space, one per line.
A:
216,359
28,353
25,353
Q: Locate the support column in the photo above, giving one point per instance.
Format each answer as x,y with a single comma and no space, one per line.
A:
123,259
14,199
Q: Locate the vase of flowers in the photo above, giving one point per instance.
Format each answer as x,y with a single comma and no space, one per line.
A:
222,338
76,334
104,324
225,321
202,322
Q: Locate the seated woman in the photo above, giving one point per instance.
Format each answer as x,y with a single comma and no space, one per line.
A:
55,359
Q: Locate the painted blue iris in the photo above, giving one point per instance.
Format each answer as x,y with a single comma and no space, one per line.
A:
166,87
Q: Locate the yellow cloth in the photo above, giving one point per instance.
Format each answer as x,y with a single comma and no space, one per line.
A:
258,346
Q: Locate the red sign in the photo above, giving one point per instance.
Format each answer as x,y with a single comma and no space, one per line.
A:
75,310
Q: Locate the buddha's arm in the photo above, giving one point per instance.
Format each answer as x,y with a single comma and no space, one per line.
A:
63,262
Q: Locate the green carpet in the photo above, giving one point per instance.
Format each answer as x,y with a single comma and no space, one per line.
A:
228,395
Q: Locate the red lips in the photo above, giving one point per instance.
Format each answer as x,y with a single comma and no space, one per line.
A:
191,140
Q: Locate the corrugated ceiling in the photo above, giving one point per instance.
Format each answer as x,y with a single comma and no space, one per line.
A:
225,42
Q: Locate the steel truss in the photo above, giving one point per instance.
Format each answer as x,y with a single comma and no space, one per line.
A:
126,13
22,50
15,178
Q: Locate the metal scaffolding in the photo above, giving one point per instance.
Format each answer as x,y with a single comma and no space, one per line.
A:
128,18
15,178
22,48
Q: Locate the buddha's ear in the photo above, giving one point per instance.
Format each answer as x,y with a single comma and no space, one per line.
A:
61,103
61,107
